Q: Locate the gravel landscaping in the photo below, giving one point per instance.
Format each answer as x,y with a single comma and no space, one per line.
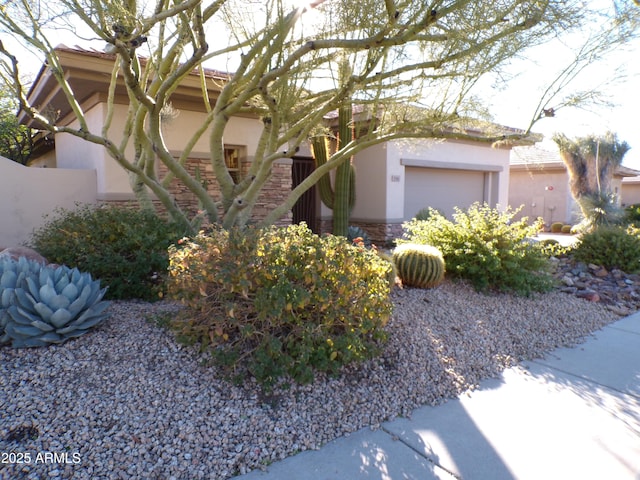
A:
127,401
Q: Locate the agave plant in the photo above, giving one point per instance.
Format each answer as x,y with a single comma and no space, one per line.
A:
54,305
354,232
12,274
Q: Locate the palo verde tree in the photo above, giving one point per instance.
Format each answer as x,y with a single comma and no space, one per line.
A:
412,69
591,162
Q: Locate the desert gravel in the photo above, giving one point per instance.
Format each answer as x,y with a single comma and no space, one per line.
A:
127,401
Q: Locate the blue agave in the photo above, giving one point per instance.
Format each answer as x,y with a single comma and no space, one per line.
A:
53,305
12,274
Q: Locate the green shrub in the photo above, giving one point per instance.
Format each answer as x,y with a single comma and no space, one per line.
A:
566,229
126,249
632,214
553,248
419,266
280,301
611,247
486,247
556,227
425,213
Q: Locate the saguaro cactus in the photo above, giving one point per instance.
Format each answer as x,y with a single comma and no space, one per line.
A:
341,197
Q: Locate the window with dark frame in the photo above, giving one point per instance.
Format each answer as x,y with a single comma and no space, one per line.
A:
232,160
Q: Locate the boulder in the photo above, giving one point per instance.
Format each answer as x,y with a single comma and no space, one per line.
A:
601,272
17,252
590,295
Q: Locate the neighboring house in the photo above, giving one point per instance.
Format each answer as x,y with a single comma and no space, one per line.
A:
539,182
393,180
630,191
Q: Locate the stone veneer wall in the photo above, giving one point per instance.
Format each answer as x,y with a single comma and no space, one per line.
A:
380,233
274,192
132,203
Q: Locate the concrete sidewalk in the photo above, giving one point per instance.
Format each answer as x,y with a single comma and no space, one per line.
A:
573,415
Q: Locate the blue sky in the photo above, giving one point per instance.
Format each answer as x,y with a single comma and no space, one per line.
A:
516,103
622,118
617,76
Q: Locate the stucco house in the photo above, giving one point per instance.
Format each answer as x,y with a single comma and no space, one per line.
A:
630,191
539,182
394,180
89,74
397,179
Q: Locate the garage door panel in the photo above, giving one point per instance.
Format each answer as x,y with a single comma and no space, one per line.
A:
442,189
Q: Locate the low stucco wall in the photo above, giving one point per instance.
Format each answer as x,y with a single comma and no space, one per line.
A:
28,194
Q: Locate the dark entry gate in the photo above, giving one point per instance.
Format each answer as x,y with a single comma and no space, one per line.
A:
305,208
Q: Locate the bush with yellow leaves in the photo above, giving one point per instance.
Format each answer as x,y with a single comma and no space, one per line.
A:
280,301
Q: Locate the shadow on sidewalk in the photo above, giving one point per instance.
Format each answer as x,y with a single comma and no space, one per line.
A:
452,440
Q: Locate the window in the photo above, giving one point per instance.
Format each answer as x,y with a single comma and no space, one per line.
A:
232,160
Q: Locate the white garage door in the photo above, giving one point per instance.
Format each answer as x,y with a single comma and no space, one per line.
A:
441,189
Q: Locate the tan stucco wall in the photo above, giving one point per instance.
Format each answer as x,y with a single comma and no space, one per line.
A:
113,182
75,153
48,160
630,193
543,194
239,132
371,184
27,194
616,188
381,176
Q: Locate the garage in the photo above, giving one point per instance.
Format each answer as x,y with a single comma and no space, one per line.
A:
444,189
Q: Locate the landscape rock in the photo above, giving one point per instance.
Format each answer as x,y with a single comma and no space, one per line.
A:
614,288
568,281
17,252
588,294
130,402
602,272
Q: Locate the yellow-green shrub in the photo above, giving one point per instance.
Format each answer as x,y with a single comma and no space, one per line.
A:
566,229
281,300
487,247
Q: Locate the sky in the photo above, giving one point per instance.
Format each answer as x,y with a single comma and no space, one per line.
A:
618,77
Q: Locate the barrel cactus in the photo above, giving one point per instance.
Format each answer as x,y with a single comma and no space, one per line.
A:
54,305
12,275
419,266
